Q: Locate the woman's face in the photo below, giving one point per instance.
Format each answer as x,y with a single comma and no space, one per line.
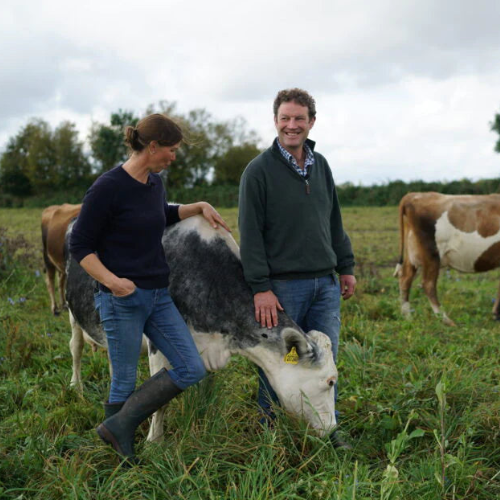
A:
163,157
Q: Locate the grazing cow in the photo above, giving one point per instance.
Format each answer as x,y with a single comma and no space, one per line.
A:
208,287
55,221
437,230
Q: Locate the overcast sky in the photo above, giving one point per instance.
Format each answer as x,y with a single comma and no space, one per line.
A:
404,90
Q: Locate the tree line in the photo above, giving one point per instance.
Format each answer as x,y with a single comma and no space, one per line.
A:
41,166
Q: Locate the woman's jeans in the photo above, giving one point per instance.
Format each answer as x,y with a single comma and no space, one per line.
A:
153,312
314,304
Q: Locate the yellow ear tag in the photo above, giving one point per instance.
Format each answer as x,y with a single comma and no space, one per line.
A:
292,358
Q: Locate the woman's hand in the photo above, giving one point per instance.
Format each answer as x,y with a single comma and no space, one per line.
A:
212,216
205,209
123,287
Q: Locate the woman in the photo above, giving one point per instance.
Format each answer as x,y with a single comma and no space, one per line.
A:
117,240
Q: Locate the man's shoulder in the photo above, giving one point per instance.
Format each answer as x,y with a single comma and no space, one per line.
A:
321,164
319,157
258,164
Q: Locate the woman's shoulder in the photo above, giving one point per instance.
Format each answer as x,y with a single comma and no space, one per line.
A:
111,177
106,184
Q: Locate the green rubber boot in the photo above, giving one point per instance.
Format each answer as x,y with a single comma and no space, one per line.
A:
119,429
111,409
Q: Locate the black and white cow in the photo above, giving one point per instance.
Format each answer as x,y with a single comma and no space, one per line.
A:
208,287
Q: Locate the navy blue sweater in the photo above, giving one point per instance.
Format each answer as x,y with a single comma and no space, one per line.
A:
122,220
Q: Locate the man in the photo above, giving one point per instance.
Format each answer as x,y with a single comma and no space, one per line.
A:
293,244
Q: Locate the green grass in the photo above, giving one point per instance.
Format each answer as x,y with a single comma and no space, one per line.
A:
420,400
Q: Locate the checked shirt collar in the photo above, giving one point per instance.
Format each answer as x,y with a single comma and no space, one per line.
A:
309,161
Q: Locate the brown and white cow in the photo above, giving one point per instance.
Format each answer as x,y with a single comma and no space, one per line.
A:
437,230
55,222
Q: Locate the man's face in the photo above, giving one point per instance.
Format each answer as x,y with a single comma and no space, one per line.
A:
293,124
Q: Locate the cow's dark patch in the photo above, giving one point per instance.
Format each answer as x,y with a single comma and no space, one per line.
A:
206,284
489,259
210,291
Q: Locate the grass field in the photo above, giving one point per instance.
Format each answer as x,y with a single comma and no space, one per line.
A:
419,400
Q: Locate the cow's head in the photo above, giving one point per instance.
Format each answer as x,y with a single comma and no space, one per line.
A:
304,384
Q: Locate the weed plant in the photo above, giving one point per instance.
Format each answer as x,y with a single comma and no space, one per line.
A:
419,400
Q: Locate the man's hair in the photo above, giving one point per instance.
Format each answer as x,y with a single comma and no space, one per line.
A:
298,96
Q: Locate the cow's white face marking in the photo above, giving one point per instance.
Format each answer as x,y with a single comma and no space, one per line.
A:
458,249
207,233
304,389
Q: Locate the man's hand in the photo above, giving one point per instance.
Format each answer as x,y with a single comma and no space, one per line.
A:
347,285
266,308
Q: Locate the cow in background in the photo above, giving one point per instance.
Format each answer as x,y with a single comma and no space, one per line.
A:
209,289
55,221
437,230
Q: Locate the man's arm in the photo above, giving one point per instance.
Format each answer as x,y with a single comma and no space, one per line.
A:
251,222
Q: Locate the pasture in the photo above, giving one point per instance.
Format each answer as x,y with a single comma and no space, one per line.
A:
419,400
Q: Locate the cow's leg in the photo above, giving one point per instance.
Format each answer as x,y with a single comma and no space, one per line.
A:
76,346
110,366
157,361
62,289
50,277
406,273
496,306
430,273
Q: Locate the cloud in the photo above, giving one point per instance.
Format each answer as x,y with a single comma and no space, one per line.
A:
404,89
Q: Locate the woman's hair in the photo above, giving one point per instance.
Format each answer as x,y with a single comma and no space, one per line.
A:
155,127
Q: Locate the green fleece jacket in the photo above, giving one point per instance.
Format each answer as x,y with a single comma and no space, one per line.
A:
290,226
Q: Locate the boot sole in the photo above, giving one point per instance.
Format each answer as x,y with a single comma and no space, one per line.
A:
108,438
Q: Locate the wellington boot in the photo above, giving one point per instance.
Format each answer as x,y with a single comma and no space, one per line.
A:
111,409
119,429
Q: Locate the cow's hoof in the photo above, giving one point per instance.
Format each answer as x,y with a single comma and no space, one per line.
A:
339,442
448,321
158,438
56,312
77,386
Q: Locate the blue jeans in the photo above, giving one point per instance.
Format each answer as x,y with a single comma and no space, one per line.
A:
153,312
314,304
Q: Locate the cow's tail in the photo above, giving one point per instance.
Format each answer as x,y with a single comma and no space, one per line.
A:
399,265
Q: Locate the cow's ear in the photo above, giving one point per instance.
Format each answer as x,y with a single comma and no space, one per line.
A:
295,338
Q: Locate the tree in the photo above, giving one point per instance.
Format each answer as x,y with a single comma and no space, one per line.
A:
28,164
495,127
13,172
107,141
72,166
37,160
230,166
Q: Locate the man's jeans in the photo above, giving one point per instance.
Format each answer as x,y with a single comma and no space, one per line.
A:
153,312
314,304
